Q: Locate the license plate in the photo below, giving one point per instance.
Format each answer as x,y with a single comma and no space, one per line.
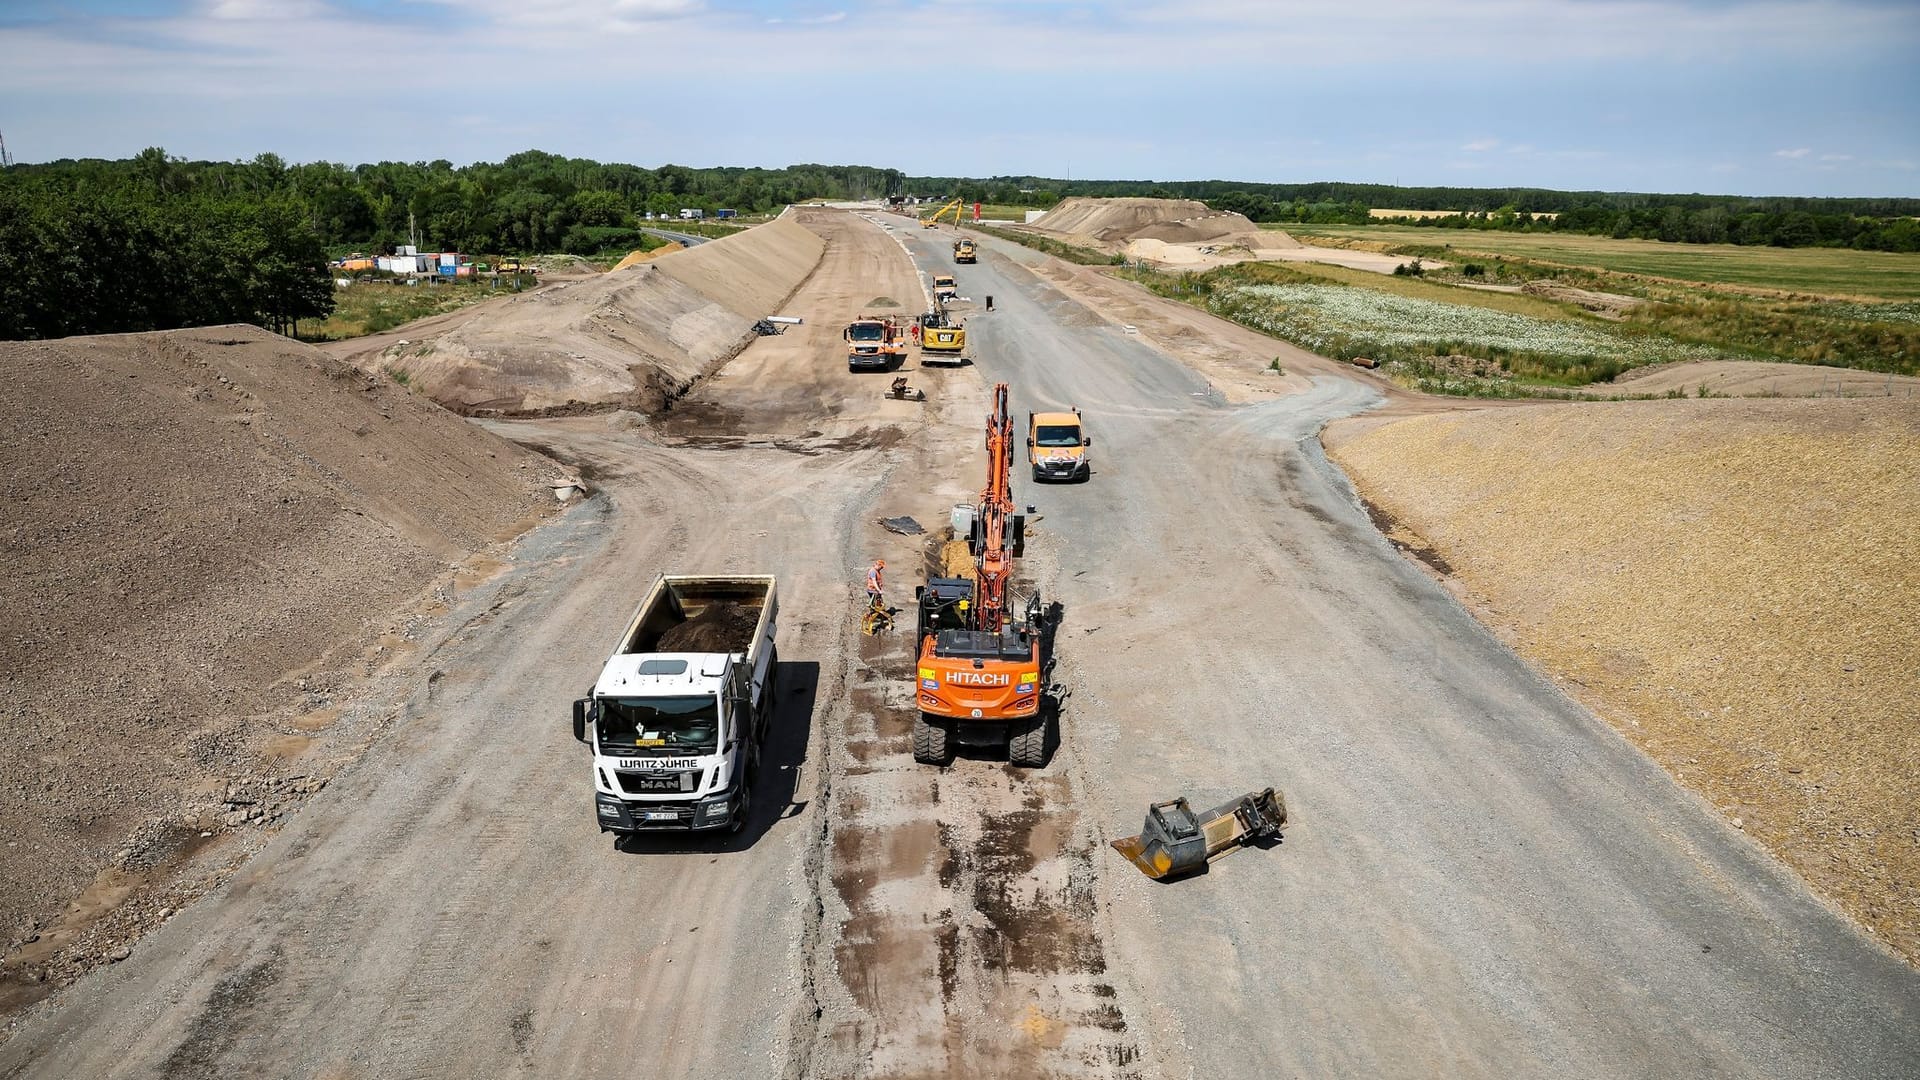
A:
660,815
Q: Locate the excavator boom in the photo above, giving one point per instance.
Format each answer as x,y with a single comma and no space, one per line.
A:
996,503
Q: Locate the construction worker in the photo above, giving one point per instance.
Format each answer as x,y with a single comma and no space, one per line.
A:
874,581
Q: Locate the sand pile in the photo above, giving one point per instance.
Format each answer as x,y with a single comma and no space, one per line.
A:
1732,584
631,337
1116,219
635,258
722,627
1157,223
186,519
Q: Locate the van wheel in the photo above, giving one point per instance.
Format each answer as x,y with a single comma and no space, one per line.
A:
931,745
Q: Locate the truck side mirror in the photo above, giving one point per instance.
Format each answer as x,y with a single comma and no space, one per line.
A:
580,707
1029,440
1086,440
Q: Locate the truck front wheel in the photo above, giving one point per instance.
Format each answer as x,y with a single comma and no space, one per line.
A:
742,810
931,742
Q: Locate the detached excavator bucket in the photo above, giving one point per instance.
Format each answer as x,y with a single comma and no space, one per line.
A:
1176,841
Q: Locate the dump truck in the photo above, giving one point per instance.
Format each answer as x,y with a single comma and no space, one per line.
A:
944,287
678,717
874,342
981,662
1057,446
963,250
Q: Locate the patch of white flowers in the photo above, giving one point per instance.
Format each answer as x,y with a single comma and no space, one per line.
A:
1892,313
1338,317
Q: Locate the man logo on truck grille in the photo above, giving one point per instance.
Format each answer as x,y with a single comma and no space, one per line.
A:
978,678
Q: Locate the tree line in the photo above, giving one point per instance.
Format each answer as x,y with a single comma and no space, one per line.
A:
1706,225
1880,224
156,241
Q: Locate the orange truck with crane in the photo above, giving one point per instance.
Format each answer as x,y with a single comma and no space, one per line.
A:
979,680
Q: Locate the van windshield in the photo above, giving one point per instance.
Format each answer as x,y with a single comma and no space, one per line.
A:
1057,435
864,332
669,725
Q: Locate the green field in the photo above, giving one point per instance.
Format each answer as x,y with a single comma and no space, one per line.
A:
1837,272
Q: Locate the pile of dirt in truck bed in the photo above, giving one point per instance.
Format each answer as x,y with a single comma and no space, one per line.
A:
1731,584
722,627
187,520
634,337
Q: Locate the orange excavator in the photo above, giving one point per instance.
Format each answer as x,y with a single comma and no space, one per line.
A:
981,664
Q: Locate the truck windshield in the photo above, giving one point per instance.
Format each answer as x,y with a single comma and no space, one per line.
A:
865,332
1057,435
670,725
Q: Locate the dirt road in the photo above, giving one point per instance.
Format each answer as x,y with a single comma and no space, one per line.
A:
1483,879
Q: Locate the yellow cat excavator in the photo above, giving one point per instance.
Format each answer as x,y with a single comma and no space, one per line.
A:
951,209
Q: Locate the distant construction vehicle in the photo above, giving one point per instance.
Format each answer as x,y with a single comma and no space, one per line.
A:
1057,446
942,341
981,665
953,208
874,343
963,250
944,288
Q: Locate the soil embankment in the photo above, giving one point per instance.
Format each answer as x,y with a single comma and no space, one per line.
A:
193,522
634,337
1730,584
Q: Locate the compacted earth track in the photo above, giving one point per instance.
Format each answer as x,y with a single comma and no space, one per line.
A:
1481,877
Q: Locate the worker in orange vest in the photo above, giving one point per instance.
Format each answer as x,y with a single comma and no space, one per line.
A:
874,580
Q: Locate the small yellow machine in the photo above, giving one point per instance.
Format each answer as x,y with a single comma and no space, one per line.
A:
1176,841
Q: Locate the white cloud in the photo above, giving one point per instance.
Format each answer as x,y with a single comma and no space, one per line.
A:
1836,157
1479,146
1794,155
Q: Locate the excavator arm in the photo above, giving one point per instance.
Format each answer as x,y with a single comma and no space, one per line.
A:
996,504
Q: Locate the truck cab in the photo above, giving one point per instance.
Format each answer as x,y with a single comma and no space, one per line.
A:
1057,445
873,343
944,287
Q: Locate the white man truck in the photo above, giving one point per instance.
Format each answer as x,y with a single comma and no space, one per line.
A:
679,715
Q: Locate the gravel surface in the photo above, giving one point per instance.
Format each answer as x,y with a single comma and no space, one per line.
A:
207,534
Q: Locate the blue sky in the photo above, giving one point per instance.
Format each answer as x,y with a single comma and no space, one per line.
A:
1775,97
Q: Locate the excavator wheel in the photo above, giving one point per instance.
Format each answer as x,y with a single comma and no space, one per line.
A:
1027,745
932,744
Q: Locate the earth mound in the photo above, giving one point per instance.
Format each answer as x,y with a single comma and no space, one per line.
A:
191,521
1730,583
1157,226
634,337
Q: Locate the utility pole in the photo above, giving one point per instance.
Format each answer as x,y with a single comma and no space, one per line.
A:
6,159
